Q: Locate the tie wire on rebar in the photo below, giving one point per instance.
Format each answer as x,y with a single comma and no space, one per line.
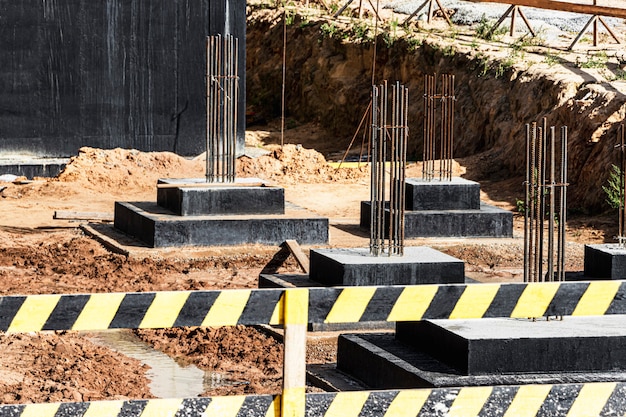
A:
222,102
441,102
545,203
389,133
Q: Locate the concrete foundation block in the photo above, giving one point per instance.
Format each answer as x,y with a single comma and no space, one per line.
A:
355,266
585,349
489,221
605,261
195,197
456,194
521,346
159,227
33,167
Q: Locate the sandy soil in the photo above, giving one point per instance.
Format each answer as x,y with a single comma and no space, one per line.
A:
39,254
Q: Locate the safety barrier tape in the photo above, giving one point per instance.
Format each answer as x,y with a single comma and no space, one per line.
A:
326,305
571,400
139,310
469,301
231,406
567,400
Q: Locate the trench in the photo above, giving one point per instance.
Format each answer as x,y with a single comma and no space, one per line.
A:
168,377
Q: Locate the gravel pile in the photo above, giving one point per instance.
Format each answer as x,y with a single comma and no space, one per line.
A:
469,13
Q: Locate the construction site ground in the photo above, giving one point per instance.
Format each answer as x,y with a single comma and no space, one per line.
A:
43,255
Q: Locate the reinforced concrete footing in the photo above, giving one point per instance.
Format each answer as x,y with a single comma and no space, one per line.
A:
355,267
605,261
446,353
191,212
447,209
32,167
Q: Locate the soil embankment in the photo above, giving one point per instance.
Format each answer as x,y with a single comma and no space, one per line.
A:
500,86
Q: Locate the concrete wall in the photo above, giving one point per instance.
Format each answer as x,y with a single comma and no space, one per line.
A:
109,73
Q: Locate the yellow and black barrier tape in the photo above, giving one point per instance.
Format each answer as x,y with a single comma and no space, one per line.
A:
566,400
469,301
231,406
326,305
139,310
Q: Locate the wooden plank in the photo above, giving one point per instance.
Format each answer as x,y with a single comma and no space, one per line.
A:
293,399
564,7
82,215
297,252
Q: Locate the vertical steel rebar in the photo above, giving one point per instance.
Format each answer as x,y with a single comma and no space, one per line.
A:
389,134
622,186
551,188
563,204
545,204
222,104
438,116
527,199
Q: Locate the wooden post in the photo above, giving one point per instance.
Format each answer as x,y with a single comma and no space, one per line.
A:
296,309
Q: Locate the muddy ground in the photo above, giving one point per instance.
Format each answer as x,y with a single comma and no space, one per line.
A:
40,254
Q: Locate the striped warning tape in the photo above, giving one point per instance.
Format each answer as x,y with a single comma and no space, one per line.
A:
326,305
139,310
232,406
571,400
406,303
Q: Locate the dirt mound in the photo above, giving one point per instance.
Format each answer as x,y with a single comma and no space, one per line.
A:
60,367
126,169
294,164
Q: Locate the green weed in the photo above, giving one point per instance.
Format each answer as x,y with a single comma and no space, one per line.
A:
614,189
484,30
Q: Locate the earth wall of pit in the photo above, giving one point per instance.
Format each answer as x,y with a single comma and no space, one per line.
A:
328,80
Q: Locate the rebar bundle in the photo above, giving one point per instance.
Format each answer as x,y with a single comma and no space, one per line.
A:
388,141
441,102
222,97
622,185
545,203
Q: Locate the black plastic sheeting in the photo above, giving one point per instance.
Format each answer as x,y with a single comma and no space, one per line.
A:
110,73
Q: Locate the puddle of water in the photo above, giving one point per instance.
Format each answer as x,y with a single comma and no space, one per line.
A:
169,379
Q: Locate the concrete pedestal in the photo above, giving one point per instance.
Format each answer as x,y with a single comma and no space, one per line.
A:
447,209
457,194
194,197
159,227
489,221
190,212
512,346
355,266
488,352
605,261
